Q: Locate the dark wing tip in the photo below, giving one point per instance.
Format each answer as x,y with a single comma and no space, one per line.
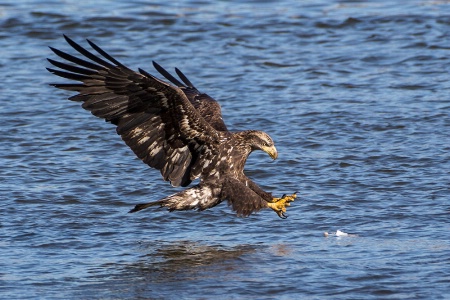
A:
104,53
68,39
56,51
184,78
145,73
166,74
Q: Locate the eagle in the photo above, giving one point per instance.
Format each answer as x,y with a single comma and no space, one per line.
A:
172,127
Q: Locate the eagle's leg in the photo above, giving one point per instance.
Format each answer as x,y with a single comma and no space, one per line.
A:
279,204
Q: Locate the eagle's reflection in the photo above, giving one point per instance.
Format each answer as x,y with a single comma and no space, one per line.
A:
166,261
181,269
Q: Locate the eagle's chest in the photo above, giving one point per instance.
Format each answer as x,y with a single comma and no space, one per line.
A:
232,160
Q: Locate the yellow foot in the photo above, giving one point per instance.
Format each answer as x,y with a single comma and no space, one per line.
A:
279,204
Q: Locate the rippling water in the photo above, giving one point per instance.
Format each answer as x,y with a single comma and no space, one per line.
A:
354,93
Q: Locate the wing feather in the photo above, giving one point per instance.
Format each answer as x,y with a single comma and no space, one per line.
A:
166,74
155,119
207,107
88,54
76,60
184,78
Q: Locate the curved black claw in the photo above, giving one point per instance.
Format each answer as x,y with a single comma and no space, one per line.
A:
279,204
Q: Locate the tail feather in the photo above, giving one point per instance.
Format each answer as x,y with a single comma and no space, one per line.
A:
142,206
199,197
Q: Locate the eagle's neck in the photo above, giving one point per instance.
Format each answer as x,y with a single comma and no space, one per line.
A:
243,145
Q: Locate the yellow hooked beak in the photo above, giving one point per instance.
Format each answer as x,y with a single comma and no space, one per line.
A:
272,151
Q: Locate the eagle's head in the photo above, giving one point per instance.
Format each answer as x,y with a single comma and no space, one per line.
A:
260,140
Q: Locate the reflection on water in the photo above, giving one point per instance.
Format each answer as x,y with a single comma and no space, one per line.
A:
184,258
281,250
173,268
179,267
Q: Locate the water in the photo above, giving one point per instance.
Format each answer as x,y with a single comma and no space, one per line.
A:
354,93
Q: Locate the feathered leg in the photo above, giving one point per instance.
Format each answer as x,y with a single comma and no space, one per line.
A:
277,204
243,200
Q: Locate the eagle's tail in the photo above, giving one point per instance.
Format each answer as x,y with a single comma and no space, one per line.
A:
142,206
201,196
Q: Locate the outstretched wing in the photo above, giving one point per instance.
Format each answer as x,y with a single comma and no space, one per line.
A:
208,108
155,119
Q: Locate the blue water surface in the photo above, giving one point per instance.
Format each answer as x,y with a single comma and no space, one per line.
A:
354,93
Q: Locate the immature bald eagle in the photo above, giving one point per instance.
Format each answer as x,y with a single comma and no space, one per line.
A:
173,128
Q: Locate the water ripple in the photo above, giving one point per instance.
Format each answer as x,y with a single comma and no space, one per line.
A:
355,95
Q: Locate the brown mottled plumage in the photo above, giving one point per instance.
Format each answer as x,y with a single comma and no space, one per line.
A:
173,128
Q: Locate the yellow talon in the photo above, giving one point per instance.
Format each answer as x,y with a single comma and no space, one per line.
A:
279,204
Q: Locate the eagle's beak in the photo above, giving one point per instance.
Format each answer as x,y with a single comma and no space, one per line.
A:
272,151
